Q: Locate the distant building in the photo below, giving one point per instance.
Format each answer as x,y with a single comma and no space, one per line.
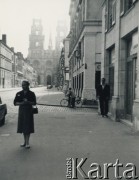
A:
61,33
6,53
14,68
44,61
29,73
85,47
36,49
20,72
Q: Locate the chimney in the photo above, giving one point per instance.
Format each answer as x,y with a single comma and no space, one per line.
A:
12,48
4,38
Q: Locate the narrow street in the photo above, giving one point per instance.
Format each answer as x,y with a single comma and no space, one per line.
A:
61,133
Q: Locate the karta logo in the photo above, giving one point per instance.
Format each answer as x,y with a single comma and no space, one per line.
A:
75,170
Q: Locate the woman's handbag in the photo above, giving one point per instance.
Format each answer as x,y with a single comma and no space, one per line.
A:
34,110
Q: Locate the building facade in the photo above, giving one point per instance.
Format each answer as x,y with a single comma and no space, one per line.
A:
5,64
120,59
45,61
85,48
14,68
66,43
36,49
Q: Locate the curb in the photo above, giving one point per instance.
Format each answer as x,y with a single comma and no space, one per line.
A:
2,90
56,105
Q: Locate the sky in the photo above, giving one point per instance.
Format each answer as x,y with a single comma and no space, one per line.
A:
16,17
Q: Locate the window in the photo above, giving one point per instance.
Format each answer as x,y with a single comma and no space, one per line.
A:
82,50
111,81
129,4
106,16
122,6
126,5
110,14
113,12
111,53
37,44
37,32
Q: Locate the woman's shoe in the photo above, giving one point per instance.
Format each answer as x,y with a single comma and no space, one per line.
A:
22,145
27,146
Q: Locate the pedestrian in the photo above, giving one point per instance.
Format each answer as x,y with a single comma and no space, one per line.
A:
0,101
103,94
25,99
72,97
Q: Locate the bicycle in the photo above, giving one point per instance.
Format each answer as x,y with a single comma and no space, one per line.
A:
64,102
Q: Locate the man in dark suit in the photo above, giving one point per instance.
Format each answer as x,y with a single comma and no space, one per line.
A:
103,93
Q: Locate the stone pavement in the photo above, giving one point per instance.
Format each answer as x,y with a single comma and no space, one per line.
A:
59,135
53,97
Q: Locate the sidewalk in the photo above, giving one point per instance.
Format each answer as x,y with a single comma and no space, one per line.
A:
62,135
9,89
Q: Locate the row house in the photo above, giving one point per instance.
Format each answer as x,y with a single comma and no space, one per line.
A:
66,42
20,72
61,72
25,71
120,58
14,68
5,64
29,73
85,47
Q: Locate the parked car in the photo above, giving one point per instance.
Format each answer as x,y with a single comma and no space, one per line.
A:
3,112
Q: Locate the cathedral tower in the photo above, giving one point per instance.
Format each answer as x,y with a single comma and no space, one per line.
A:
36,48
61,33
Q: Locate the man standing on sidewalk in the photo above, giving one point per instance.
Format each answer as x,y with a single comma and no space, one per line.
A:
103,93
71,98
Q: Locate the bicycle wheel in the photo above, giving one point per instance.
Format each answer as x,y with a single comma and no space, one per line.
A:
78,103
64,102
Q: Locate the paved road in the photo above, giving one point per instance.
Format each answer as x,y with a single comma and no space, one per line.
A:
44,96
62,134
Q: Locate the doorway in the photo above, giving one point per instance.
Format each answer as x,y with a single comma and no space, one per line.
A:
49,80
97,78
130,86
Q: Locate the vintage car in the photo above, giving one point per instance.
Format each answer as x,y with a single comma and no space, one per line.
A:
3,112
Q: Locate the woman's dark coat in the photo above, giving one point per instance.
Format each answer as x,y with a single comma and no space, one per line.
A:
25,115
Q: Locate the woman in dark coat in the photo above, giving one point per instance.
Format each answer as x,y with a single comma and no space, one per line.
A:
25,99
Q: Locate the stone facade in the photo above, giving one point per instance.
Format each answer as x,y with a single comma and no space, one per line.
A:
44,61
120,60
85,48
6,75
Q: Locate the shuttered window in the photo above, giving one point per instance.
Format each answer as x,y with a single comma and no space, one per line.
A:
110,14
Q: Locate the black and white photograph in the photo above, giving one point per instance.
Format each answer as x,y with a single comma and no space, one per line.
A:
69,89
